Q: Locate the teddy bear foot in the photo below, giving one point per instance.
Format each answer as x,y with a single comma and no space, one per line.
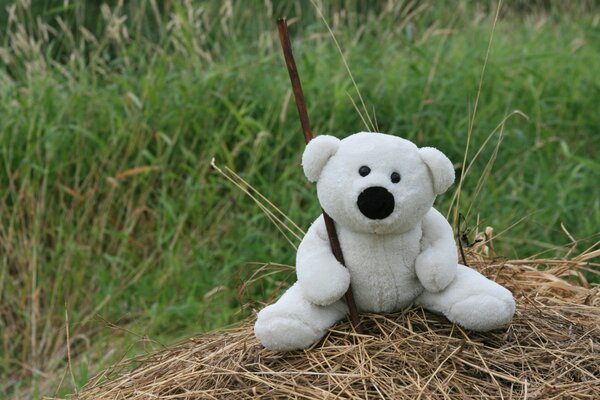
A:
472,301
293,323
482,312
280,333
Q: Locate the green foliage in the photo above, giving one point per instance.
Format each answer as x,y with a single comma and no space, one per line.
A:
109,116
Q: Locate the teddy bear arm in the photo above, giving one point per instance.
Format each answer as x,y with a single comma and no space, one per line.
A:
436,265
322,279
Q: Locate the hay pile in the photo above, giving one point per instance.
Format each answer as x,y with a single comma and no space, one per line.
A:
551,350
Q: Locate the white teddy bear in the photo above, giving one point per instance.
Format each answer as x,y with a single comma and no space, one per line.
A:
399,250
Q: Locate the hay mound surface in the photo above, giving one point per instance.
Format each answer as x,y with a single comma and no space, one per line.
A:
550,350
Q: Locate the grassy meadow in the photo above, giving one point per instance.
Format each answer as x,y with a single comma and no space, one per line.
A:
116,234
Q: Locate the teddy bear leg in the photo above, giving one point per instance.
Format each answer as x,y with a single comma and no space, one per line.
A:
472,301
294,323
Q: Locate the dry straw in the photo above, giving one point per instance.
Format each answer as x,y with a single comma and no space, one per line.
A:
551,350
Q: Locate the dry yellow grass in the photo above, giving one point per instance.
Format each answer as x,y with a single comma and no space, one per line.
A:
550,350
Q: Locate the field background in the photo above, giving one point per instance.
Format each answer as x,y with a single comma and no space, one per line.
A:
116,232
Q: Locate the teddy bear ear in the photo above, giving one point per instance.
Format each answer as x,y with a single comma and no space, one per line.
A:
317,153
441,168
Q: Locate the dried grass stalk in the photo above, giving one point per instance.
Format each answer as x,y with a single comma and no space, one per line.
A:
550,350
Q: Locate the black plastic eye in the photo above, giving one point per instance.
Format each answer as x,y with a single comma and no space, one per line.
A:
395,177
364,170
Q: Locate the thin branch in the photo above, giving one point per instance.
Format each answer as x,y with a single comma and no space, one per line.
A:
329,224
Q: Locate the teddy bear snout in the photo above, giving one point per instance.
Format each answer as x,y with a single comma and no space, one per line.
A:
376,202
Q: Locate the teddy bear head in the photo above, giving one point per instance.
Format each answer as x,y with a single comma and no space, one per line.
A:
376,183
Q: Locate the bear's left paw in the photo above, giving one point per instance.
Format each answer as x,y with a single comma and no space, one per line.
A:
434,272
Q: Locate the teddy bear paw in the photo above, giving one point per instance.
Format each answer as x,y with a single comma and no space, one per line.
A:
482,312
281,333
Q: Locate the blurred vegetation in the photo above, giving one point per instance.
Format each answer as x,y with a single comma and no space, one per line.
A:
114,227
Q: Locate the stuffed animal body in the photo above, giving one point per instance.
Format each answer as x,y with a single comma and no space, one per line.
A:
399,250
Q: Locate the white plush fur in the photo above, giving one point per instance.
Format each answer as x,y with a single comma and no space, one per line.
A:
317,153
407,257
441,168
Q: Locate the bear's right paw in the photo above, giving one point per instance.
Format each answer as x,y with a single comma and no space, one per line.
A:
327,288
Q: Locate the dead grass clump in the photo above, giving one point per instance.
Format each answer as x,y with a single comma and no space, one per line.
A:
550,350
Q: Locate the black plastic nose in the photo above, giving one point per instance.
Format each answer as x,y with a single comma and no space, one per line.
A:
375,202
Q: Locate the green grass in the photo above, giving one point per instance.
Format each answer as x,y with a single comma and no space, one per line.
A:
129,253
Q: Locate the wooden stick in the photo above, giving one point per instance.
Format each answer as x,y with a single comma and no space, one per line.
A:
299,96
